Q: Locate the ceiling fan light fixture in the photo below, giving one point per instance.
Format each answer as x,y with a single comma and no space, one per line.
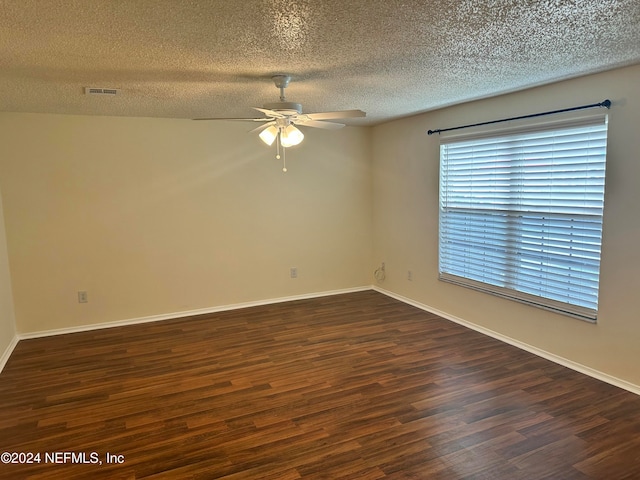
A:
291,136
268,135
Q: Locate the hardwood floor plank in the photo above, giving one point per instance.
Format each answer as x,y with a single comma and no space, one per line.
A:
356,386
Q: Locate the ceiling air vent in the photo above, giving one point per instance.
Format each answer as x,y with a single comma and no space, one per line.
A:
100,91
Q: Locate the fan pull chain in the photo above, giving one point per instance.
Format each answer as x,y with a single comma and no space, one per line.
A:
284,160
284,155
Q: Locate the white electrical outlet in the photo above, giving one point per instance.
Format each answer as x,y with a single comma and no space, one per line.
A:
294,272
82,297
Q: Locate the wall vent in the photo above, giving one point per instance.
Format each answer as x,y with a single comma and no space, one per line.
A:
100,91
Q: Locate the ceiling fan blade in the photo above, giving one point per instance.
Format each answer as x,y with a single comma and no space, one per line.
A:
319,124
269,113
341,114
236,119
262,127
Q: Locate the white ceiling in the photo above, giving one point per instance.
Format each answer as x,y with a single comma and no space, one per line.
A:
391,58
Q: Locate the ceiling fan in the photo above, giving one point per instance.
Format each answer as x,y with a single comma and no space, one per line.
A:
281,118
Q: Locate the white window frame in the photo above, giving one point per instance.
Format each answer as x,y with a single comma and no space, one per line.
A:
491,229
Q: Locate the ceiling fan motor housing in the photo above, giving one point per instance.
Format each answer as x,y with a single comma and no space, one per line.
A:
286,108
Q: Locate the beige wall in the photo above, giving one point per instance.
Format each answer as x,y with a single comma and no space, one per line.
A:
154,216
405,235
7,317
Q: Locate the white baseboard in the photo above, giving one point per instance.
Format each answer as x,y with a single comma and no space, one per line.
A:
188,313
516,343
8,351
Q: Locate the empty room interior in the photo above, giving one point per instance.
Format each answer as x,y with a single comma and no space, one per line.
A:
384,288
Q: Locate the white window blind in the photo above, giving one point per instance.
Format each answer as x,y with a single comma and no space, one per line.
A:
521,213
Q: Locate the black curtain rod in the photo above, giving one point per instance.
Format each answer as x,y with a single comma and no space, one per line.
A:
605,103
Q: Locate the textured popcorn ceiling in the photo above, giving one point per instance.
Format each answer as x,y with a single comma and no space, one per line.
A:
204,58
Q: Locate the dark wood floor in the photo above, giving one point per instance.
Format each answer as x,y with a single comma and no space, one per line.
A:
350,386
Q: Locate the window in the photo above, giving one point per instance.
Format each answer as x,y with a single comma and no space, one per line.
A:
521,213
